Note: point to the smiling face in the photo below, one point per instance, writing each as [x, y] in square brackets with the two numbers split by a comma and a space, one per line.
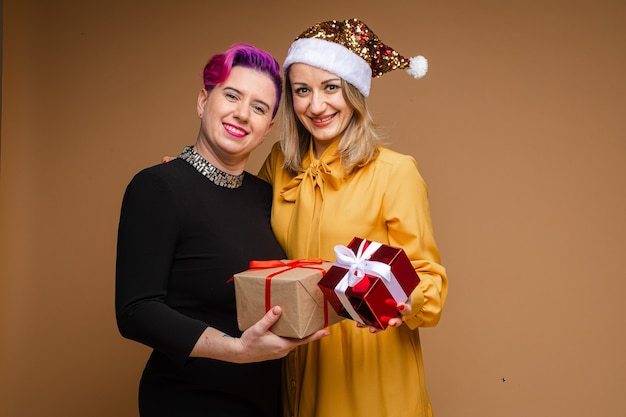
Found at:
[319, 104]
[236, 116]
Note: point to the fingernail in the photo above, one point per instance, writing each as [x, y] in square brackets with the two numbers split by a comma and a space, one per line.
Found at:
[385, 319]
[391, 302]
[401, 307]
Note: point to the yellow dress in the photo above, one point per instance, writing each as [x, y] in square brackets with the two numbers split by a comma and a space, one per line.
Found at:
[353, 373]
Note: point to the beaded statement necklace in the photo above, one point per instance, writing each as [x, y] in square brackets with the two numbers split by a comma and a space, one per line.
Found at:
[213, 173]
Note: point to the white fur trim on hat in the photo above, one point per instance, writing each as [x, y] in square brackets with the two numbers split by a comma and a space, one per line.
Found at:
[331, 57]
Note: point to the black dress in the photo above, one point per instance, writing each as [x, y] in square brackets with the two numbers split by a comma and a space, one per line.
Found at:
[181, 237]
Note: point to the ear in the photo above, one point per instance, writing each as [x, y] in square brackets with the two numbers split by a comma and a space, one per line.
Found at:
[269, 129]
[203, 96]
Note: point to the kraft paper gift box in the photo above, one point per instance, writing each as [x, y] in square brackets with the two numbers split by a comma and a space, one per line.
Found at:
[367, 281]
[291, 285]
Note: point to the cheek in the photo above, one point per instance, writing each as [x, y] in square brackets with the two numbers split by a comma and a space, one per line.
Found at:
[299, 106]
[264, 127]
[346, 110]
[339, 103]
[349, 114]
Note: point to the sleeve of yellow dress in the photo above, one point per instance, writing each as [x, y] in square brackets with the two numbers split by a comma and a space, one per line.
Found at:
[407, 213]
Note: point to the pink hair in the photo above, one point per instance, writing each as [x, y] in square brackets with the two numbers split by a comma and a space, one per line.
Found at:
[242, 54]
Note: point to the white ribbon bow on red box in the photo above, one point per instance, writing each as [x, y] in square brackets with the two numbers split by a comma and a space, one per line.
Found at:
[358, 265]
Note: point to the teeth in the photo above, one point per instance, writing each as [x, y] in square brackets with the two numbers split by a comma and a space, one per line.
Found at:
[323, 120]
[234, 130]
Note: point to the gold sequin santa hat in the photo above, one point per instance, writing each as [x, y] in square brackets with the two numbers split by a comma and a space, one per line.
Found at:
[352, 51]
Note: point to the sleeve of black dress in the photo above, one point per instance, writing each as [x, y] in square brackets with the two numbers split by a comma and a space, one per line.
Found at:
[147, 236]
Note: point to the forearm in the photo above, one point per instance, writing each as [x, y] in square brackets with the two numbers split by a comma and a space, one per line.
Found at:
[256, 344]
[428, 300]
[218, 345]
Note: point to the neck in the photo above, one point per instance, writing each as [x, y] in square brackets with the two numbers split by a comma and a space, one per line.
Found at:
[319, 146]
[210, 171]
[234, 167]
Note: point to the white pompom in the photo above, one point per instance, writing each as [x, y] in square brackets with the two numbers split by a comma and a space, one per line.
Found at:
[418, 66]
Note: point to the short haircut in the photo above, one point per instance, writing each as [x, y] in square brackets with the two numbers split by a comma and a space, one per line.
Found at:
[219, 66]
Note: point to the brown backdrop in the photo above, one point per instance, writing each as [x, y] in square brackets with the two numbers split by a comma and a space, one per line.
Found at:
[518, 129]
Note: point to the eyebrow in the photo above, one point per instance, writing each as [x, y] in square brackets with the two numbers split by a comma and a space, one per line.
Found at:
[323, 82]
[240, 93]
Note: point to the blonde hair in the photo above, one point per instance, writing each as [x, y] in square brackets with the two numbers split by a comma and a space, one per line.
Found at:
[359, 142]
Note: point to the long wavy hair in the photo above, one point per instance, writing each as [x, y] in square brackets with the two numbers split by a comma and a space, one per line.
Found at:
[242, 54]
[359, 142]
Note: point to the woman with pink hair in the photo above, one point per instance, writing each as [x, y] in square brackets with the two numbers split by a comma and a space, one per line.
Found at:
[185, 228]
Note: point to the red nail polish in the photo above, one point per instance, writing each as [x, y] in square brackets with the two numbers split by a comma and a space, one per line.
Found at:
[390, 302]
[385, 319]
[400, 307]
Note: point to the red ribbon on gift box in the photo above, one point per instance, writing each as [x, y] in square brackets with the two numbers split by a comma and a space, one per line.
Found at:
[289, 265]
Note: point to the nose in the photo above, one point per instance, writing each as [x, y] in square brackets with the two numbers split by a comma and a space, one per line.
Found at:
[318, 103]
[242, 111]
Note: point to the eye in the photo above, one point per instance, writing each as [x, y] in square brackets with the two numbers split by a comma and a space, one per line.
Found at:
[259, 109]
[230, 96]
[332, 87]
[301, 91]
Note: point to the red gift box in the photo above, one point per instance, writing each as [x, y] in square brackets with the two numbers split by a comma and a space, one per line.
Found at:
[365, 276]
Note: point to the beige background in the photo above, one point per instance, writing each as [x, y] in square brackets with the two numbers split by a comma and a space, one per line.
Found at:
[518, 130]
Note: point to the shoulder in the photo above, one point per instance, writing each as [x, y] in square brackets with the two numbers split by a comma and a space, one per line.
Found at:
[164, 175]
[172, 169]
[276, 154]
[395, 161]
[257, 183]
[276, 148]
[391, 166]
[273, 163]
[390, 156]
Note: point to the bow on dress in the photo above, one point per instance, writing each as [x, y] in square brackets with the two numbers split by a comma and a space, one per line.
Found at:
[307, 191]
[316, 175]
